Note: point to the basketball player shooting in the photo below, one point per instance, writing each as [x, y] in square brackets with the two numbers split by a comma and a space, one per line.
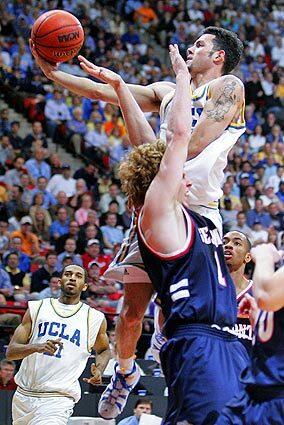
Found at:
[55, 340]
[217, 105]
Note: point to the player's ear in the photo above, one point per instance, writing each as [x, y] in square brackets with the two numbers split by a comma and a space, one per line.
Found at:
[85, 287]
[219, 57]
[248, 257]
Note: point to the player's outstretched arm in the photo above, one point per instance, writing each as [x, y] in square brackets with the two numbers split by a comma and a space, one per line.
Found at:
[225, 103]
[138, 128]
[102, 356]
[164, 189]
[268, 287]
[19, 346]
[148, 97]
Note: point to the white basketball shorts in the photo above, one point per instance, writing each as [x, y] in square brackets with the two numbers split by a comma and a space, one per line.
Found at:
[27, 410]
[128, 267]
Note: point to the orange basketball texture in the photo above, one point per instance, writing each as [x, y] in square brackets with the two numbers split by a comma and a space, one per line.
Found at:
[57, 35]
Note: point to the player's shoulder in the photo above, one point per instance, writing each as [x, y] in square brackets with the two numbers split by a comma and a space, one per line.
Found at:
[227, 80]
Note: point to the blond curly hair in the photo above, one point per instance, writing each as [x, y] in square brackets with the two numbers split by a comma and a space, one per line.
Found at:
[138, 170]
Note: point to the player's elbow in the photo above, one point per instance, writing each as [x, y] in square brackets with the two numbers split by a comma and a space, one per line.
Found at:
[267, 301]
[9, 354]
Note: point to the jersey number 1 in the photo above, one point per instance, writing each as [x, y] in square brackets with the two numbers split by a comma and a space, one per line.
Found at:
[221, 279]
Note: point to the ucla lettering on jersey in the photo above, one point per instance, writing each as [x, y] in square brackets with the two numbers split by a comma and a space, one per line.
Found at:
[193, 284]
[56, 375]
[206, 169]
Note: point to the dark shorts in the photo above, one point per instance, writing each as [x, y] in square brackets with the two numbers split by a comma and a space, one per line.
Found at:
[202, 367]
[254, 408]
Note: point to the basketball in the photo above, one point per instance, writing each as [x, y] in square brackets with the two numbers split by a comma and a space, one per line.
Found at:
[57, 35]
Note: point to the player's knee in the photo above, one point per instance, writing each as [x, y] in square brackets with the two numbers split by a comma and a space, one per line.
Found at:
[131, 316]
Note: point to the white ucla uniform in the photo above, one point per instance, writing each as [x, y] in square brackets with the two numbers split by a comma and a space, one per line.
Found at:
[205, 171]
[48, 386]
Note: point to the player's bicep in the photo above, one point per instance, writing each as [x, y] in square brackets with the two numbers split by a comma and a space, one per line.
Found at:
[23, 331]
[102, 341]
[149, 97]
[220, 110]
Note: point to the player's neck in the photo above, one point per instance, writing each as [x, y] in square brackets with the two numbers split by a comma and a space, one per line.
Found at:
[204, 78]
[239, 280]
[64, 299]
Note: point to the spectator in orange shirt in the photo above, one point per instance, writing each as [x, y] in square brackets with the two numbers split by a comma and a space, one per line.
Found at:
[115, 123]
[30, 243]
[145, 14]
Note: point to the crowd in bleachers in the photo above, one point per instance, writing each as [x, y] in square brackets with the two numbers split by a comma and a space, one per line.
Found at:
[50, 215]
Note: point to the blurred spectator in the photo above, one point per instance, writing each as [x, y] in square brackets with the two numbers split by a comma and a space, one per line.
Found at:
[81, 189]
[89, 175]
[248, 200]
[62, 182]
[77, 129]
[69, 250]
[60, 226]
[13, 176]
[20, 280]
[113, 194]
[72, 234]
[7, 370]
[4, 236]
[5, 125]
[41, 225]
[42, 276]
[275, 180]
[30, 243]
[258, 215]
[48, 198]
[62, 202]
[81, 215]
[16, 245]
[16, 206]
[241, 225]
[6, 287]
[256, 140]
[16, 141]
[280, 192]
[37, 167]
[36, 134]
[143, 405]
[93, 254]
[56, 112]
[258, 233]
[235, 202]
[277, 217]
[268, 196]
[6, 149]
[53, 290]
[111, 233]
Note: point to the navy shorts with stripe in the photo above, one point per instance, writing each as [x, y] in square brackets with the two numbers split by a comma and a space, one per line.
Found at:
[202, 367]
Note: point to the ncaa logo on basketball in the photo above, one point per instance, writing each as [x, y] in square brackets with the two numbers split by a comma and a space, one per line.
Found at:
[60, 54]
[68, 37]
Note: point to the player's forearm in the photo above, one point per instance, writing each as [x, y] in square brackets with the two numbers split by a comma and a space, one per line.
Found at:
[263, 288]
[102, 359]
[180, 115]
[17, 351]
[138, 128]
[84, 87]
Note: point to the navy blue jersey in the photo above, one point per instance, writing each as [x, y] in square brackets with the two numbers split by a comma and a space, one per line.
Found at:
[243, 327]
[193, 284]
[268, 349]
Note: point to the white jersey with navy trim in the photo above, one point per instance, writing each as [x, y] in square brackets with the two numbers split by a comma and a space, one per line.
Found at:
[77, 325]
[205, 171]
